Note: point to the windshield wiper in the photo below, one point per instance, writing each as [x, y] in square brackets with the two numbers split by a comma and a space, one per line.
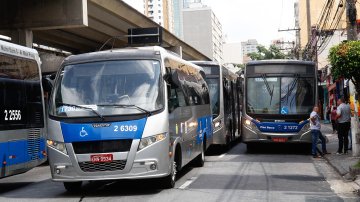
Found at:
[271, 92]
[120, 105]
[83, 108]
[293, 85]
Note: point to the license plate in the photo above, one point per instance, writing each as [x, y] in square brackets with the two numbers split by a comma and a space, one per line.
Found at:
[98, 158]
[279, 139]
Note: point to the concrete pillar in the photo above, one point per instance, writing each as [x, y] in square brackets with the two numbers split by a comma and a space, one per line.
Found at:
[50, 62]
[23, 37]
[175, 49]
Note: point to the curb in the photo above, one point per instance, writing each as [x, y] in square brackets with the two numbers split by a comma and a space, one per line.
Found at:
[341, 171]
[338, 168]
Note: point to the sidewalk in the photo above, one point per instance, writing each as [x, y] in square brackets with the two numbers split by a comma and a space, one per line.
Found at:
[340, 163]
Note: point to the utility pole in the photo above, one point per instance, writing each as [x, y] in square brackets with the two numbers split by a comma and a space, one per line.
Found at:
[309, 33]
[351, 20]
[352, 36]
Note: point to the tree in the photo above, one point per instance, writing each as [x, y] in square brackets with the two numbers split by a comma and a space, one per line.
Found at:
[345, 62]
[267, 54]
[241, 66]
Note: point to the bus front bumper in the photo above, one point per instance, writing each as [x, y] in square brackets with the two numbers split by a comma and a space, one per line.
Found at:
[250, 135]
[137, 164]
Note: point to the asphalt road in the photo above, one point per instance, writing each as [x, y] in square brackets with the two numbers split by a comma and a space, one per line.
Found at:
[273, 173]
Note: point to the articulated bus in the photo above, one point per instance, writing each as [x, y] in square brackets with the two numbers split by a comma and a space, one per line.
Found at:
[225, 97]
[129, 113]
[22, 126]
[279, 96]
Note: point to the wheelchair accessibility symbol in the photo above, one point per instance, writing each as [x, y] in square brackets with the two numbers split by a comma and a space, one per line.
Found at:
[83, 132]
[283, 110]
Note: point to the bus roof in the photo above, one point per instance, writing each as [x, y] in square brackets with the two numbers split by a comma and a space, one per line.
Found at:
[299, 62]
[18, 51]
[144, 53]
[205, 62]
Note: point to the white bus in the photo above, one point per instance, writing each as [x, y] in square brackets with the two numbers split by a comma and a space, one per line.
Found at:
[127, 114]
[22, 126]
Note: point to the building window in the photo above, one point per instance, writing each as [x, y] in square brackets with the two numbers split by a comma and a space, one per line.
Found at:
[252, 46]
[252, 49]
[159, 17]
[159, 11]
[159, 23]
[152, 18]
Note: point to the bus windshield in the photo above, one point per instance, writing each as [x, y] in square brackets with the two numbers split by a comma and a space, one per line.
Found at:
[108, 88]
[214, 95]
[280, 95]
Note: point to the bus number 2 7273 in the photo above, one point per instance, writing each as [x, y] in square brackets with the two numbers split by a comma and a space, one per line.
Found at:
[12, 115]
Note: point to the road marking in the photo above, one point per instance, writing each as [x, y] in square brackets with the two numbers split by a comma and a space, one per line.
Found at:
[187, 183]
[222, 155]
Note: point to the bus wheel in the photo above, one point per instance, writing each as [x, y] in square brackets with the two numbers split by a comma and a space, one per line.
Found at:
[200, 159]
[169, 181]
[73, 186]
[250, 146]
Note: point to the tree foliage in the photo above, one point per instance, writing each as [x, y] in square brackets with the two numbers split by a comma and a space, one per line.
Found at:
[240, 66]
[267, 54]
[345, 62]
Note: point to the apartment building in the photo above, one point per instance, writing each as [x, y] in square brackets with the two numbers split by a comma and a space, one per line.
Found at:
[161, 11]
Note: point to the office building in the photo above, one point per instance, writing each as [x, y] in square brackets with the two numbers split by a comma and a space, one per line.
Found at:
[203, 31]
[249, 46]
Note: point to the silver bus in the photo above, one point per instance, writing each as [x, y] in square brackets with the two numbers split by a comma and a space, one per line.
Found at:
[225, 99]
[129, 113]
[22, 126]
[279, 96]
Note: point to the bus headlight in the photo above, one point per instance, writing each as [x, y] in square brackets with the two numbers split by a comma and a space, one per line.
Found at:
[60, 146]
[217, 124]
[305, 128]
[251, 125]
[147, 141]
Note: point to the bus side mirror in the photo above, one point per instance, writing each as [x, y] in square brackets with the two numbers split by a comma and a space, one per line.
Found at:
[47, 85]
[172, 78]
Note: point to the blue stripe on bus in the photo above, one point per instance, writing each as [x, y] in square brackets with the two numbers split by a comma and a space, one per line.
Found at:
[22, 151]
[82, 132]
[279, 126]
[204, 126]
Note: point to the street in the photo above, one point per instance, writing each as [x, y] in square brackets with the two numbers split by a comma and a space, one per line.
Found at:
[273, 173]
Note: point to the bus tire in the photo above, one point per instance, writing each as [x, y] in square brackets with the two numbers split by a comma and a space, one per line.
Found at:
[200, 159]
[250, 146]
[73, 186]
[168, 182]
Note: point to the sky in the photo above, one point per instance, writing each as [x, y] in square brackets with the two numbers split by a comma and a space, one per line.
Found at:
[250, 19]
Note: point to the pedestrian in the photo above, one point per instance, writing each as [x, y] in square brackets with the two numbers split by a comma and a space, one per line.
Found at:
[315, 130]
[328, 112]
[333, 116]
[343, 120]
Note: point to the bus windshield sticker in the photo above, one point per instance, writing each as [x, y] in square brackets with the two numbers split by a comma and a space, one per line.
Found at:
[283, 110]
[267, 79]
[74, 108]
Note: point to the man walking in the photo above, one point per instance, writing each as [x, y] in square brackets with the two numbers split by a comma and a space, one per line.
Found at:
[315, 130]
[343, 119]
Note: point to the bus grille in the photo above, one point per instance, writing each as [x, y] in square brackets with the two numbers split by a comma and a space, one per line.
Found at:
[37, 118]
[104, 146]
[103, 166]
[34, 142]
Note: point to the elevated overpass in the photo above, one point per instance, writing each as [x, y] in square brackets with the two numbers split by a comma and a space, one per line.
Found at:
[79, 26]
